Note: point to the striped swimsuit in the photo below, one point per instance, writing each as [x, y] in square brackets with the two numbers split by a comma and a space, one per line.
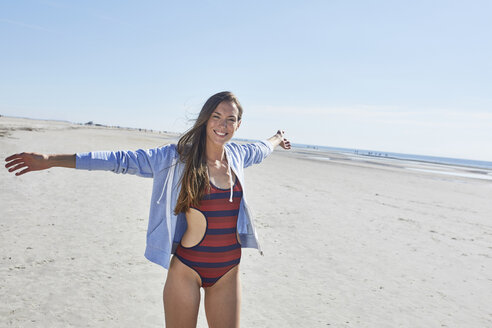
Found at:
[219, 250]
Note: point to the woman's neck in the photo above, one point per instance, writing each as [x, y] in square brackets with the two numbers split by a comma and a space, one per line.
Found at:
[215, 154]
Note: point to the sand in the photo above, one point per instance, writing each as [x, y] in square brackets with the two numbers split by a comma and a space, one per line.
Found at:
[349, 241]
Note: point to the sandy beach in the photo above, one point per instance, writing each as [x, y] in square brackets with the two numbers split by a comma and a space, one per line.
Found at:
[349, 241]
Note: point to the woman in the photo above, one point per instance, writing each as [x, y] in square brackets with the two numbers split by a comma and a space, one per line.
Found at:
[199, 211]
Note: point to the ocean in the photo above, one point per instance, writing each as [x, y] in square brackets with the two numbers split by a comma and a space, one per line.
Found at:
[409, 157]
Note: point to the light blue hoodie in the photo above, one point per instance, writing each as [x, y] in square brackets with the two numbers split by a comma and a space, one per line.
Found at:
[166, 229]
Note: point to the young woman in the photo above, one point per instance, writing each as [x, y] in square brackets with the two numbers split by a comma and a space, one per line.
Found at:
[199, 210]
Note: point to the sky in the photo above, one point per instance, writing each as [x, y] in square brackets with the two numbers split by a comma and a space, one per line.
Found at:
[398, 76]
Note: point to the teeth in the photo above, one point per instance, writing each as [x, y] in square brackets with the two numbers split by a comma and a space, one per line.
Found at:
[220, 134]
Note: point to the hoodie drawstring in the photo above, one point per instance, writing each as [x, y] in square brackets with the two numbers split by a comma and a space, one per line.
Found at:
[230, 180]
[230, 176]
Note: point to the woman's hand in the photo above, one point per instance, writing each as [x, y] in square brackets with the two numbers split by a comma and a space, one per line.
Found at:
[35, 162]
[279, 140]
[284, 142]
[27, 162]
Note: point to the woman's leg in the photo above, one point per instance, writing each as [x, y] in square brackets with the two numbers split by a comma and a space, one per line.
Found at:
[181, 296]
[223, 301]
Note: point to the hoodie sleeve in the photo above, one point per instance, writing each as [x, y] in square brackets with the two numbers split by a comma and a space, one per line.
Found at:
[142, 162]
[254, 153]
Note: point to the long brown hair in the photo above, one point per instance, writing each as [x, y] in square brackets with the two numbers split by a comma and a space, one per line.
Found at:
[191, 150]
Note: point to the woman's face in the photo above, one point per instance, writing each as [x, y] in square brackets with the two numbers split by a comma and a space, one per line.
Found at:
[223, 122]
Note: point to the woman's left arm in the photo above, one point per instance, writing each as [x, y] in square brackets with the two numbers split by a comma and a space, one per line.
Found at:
[279, 140]
[254, 153]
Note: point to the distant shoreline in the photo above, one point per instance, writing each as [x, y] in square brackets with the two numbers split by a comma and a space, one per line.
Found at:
[467, 163]
[93, 124]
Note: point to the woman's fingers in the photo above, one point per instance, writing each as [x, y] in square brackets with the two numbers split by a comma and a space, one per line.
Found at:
[17, 167]
[14, 162]
[15, 156]
[286, 143]
[18, 163]
[11, 157]
[30, 161]
[22, 172]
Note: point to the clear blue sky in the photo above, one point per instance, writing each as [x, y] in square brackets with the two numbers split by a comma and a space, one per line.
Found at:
[402, 76]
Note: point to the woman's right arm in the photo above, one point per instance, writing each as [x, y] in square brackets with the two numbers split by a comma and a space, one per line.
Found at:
[28, 162]
[142, 162]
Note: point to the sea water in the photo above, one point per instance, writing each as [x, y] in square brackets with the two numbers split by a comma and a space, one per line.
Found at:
[410, 157]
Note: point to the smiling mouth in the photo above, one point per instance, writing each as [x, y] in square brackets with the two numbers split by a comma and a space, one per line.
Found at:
[220, 134]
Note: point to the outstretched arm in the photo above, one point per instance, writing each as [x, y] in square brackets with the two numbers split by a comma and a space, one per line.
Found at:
[279, 140]
[255, 152]
[142, 162]
[28, 162]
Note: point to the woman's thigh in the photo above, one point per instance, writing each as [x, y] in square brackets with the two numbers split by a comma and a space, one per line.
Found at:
[181, 296]
[223, 301]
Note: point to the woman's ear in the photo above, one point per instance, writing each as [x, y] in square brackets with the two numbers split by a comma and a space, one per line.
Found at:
[238, 124]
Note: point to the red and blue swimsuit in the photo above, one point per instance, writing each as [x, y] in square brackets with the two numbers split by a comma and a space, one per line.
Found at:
[219, 250]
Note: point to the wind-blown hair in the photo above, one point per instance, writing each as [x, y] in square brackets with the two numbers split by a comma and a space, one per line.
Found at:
[191, 150]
